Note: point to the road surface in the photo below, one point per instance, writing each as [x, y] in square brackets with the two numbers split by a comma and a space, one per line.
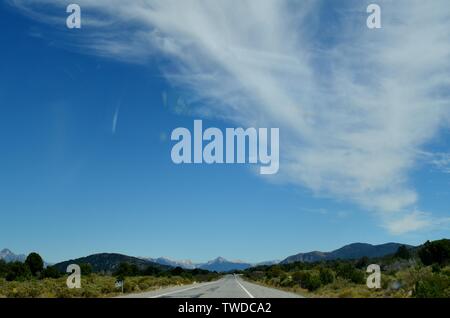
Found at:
[230, 286]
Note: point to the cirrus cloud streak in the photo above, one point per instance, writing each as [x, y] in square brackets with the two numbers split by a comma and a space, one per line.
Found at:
[355, 106]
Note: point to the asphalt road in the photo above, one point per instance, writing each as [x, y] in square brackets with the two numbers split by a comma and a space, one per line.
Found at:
[230, 286]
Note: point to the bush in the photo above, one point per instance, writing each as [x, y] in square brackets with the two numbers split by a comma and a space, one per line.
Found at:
[18, 271]
[287, 282]
[297, 277]
[433, 286]
[306, 279]
[256, 275]
[274, 271]
[311, 281]
[50, 272]
[446, 271]
[327, 276]
[92, 286]
[347, 271]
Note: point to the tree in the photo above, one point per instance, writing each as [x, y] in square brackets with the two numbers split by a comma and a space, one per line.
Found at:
[18, 271]
[435, 252]
[3, 268]
[126, 269]
[177, 271]
[86, 268]
[363, 262]
[403, 252]
[151, 271]
[35, 263]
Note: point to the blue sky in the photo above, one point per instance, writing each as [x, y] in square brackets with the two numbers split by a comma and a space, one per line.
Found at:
[71, 185]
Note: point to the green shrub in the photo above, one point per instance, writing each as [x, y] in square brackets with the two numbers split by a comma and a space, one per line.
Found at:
[18, 271]
[274, 271]
[298, 276]
[311, 281]
[433, 286]
[287, 282]
[446, 271]
[50, 272]
[347, 271]
[327, 276]
[307, 279]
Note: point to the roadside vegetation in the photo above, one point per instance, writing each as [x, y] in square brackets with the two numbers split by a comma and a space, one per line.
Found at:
[422, 272]
[31, 279]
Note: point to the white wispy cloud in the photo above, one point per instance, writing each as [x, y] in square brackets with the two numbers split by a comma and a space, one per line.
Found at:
[414, 221]
[115, 119]
[439, 160]
[354, 111]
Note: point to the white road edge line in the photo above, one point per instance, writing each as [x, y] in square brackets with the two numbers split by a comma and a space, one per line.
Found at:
[245, 289]
[182, 290]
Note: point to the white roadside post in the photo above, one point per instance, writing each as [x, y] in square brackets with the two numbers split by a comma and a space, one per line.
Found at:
[119, 284]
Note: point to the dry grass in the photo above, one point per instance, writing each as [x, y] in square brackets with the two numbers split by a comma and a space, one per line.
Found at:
[92, 286]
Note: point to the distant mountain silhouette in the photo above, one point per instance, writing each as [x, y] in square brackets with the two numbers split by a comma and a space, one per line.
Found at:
[267, 263]
[351, 251]
[9, 256]
[109, 262]
[220, 264]
[186, 264]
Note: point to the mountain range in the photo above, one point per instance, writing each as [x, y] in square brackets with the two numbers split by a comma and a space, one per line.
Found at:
[351, 251]
[8, 256]
[108, 262]
[218, 264]
[186, 264]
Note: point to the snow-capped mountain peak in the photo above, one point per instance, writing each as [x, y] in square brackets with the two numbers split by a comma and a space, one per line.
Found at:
[8, 256]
